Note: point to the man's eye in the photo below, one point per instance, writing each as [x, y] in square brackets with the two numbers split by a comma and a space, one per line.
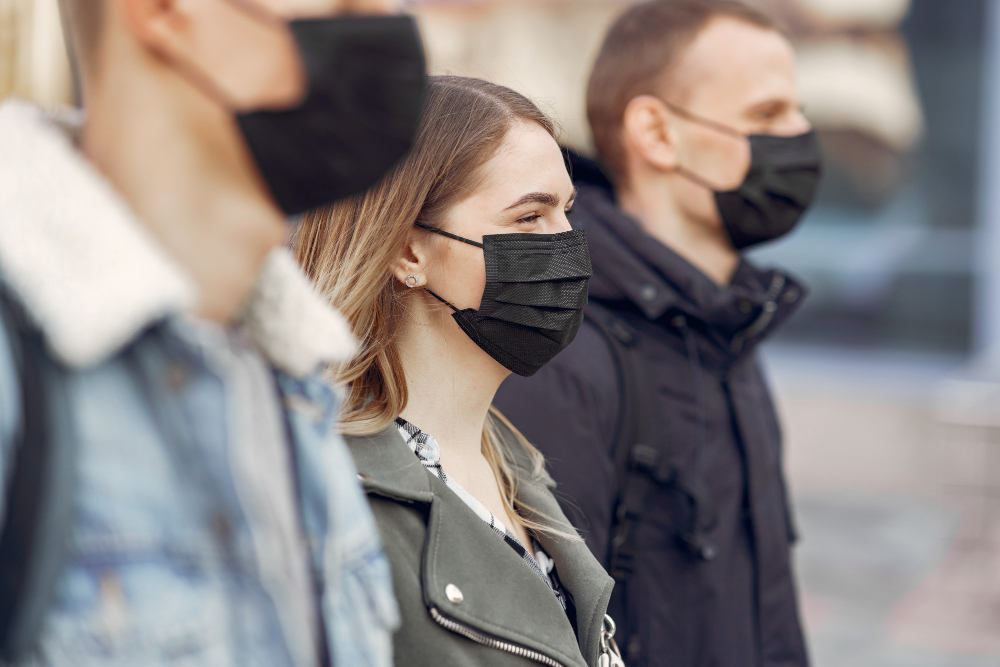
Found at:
[529, 218]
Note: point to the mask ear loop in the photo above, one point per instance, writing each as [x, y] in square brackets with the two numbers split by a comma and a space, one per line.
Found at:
[701, 120]
[696, 179]
[704, 122]
[201, 80]
[447, 303]
[451, 236]
[448, 234]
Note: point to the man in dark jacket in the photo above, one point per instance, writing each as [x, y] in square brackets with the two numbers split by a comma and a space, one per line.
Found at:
[697, 122]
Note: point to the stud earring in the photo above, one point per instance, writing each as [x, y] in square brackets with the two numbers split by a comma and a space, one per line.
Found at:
[411, 281]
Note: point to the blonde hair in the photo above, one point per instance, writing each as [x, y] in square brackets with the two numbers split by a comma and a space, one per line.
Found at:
[350, 247]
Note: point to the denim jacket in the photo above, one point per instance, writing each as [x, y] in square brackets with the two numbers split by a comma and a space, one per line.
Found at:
[160, 569]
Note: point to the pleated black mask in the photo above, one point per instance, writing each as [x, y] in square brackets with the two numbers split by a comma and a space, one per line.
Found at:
[784, 173]
[536, 290]
[366, 88]
[778, 188]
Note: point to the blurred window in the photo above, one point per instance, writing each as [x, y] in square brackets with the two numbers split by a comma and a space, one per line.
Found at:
[888, 249]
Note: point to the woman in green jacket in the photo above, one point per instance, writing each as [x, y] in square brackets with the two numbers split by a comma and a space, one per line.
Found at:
[457, 269]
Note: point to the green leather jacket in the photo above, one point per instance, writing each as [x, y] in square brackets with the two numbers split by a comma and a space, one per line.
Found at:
[465, 597]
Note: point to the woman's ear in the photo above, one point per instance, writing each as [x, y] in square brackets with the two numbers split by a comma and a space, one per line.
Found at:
[412, 262]
[648, 133]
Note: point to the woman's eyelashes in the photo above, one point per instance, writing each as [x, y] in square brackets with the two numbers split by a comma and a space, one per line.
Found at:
[528, 219]
[571, 204]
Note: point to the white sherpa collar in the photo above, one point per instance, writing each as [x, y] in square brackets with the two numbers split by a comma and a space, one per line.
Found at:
[92, 278]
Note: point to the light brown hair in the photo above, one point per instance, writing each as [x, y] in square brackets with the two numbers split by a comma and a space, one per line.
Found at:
[637, 57]
[350, 248]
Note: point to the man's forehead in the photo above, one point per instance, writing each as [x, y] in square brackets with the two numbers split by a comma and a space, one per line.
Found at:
[733, 58]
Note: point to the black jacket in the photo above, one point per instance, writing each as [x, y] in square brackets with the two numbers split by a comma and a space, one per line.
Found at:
[718, 424]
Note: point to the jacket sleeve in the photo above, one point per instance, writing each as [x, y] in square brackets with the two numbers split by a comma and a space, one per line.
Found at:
[359, 608]
[569, 410]
[10, 414]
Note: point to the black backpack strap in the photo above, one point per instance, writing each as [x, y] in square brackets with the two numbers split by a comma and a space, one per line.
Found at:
[38, 507]
[641, 463]
[637, 425]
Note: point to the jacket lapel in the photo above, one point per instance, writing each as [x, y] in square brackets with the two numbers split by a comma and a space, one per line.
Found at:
[501, 596]
[387, 467]
[580, 573]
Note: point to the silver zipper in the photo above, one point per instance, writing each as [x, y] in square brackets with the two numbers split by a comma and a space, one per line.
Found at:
[491, 641]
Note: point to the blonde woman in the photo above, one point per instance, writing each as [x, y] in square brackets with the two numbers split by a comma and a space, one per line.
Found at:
[458, 269]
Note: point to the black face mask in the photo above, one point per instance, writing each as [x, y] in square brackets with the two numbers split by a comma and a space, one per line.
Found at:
[781, 183]
[366, 87]
[777, 190]
[536, 290]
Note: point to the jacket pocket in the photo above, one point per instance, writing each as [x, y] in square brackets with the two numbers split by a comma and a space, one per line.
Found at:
[138, 609]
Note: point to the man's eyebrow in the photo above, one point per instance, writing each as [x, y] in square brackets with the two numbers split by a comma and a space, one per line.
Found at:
[543, 198]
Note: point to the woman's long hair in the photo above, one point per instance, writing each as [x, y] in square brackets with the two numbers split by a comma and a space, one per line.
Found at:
[349, 249]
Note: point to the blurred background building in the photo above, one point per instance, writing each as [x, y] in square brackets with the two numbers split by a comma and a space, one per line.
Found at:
[888, 381]
[33, 61]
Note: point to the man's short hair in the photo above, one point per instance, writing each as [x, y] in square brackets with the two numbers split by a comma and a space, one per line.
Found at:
[637, 55]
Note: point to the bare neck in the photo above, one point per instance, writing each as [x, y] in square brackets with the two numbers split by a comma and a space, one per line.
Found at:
[451, 380]
[178, 161]
[451, 383]
[708, 249]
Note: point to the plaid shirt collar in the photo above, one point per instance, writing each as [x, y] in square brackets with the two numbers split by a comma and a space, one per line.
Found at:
[429, 454]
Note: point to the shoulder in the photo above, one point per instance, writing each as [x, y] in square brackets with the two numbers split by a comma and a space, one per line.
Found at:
[574, 396]
[588, 358]
[370, 447]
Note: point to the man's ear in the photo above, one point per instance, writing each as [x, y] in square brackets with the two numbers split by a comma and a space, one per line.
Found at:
[155, 24]
[648, 132]
[240, 57]
[412, 261]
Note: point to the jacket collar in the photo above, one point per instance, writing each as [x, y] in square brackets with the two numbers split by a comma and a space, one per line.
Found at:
[388, 468]
[92, 278]
[631, 267]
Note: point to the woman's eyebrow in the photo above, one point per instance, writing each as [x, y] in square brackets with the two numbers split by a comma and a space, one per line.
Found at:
[543, 198]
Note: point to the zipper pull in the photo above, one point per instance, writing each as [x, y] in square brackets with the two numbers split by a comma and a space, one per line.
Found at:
[610, 655]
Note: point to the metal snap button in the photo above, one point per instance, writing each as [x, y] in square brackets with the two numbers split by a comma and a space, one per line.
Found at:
[453, 594]
[647, 293]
